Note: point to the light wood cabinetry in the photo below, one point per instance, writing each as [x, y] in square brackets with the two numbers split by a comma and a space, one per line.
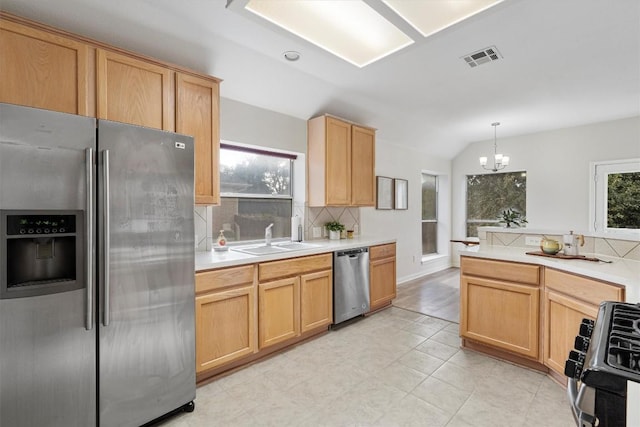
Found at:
[226, 321]
[43, 70]
[568, 299]
[340, 163]
[198, 115]
[47, 68]
[134, 91]
[295, 296]
[382, 275]
[499, 305]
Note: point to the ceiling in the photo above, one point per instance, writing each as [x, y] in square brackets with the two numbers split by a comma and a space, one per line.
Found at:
[565, 63]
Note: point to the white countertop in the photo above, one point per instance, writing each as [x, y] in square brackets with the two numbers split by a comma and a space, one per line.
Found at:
[621, 271]
[212, 259]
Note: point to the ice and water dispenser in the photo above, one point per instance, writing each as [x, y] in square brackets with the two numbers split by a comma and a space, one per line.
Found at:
[41, 252]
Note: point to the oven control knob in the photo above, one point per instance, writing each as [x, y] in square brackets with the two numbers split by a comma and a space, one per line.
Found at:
[586, 327]
[581, 343]
[573, 366]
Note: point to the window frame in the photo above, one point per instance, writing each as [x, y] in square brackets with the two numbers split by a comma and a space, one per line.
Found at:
[431, 221]
[598, 186]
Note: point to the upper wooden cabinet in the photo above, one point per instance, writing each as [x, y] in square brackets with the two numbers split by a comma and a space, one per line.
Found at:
[198, 115]
[340, 163]
[47, 68]
[134, 91]
[43, 70]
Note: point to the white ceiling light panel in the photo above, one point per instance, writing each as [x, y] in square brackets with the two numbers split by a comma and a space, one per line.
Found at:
[350, 30]
[431, 16]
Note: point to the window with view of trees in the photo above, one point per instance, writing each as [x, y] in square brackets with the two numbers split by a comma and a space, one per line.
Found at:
[617, 186]
[255, 190]
[429, 214]
[489, 195]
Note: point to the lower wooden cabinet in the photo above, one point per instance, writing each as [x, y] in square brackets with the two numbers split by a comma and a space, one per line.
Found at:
[382, 275]
[501, 314]
[295, 297]
[568, 299]
[316, 300]
[279, 311]
[226, 321]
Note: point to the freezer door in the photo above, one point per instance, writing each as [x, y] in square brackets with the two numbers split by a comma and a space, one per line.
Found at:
[146, 321]
[47, 342]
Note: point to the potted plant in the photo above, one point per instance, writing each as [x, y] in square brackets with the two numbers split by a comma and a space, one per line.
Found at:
[334, 228]
[511, 216]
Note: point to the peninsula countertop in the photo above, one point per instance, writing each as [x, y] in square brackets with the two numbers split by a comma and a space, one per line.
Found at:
[208, 260]
[620, 271]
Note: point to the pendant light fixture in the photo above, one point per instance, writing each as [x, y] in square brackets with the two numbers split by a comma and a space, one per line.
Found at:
[499, 161]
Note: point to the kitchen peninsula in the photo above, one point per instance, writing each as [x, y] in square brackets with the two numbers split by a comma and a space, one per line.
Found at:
[527, 309]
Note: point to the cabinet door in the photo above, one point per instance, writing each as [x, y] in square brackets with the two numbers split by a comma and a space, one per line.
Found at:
[43, 70]
[316, 295]
[382, 277]
[279, 311]
[198, 115]
[225, 327]
[500, 314]
[562, 317]
[338, 166]
[363, 146]
[134, 91]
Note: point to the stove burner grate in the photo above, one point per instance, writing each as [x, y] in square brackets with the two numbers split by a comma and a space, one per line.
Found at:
[623, 350]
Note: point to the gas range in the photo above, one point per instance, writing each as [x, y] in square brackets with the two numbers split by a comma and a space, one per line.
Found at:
[604, 368]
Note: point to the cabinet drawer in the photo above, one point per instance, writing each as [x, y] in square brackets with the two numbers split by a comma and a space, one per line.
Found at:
[382, 251]
[294, 266]
[501, 270]
[588, 290]
[224, 278]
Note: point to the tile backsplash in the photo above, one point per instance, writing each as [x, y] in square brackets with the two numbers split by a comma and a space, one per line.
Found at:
[627, 249]
[319, 216]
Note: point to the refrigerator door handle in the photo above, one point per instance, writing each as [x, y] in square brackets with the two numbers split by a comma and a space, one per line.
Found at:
[89, 239]
[106, 237]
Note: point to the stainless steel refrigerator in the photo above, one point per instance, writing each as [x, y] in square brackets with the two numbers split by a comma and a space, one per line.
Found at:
[96, 271]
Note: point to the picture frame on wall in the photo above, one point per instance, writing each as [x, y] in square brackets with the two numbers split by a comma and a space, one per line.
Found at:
[401, 191]
[384, 192]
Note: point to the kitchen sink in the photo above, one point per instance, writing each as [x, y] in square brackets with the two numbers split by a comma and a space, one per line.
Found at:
[274, 249]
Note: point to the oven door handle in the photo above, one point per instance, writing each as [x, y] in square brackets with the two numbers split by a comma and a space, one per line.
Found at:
[582, 418]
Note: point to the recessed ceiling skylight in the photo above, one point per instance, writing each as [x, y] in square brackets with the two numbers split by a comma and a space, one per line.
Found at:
[350, 30]
[429, 17]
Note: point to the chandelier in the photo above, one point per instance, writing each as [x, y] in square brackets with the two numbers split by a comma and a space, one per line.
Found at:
[499, 161]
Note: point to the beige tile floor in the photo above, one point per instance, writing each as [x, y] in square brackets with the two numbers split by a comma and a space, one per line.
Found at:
[394, 368]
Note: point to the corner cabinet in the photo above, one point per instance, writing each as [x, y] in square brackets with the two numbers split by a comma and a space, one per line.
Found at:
[226, 316]
[568, 299]
[500, 305]
[198, 115]
[382, 275]
[340, 163]
[44, 70]
[295, 297]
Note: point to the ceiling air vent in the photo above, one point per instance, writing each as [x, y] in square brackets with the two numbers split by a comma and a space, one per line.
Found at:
[482, 56]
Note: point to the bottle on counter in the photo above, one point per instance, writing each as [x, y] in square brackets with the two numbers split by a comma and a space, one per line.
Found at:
[222, 241]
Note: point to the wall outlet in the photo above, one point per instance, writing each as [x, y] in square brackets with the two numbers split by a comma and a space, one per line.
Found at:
[317, 232]
[532, 240]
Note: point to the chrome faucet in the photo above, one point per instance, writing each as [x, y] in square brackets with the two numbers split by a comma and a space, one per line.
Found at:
[267, 235]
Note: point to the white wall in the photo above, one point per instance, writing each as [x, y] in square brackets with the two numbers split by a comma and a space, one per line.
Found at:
[404, 225]
[557, 166]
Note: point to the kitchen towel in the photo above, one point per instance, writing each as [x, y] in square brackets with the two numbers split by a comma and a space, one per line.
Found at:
[296, 229]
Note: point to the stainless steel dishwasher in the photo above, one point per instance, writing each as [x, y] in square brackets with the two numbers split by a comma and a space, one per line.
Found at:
[350, 284]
